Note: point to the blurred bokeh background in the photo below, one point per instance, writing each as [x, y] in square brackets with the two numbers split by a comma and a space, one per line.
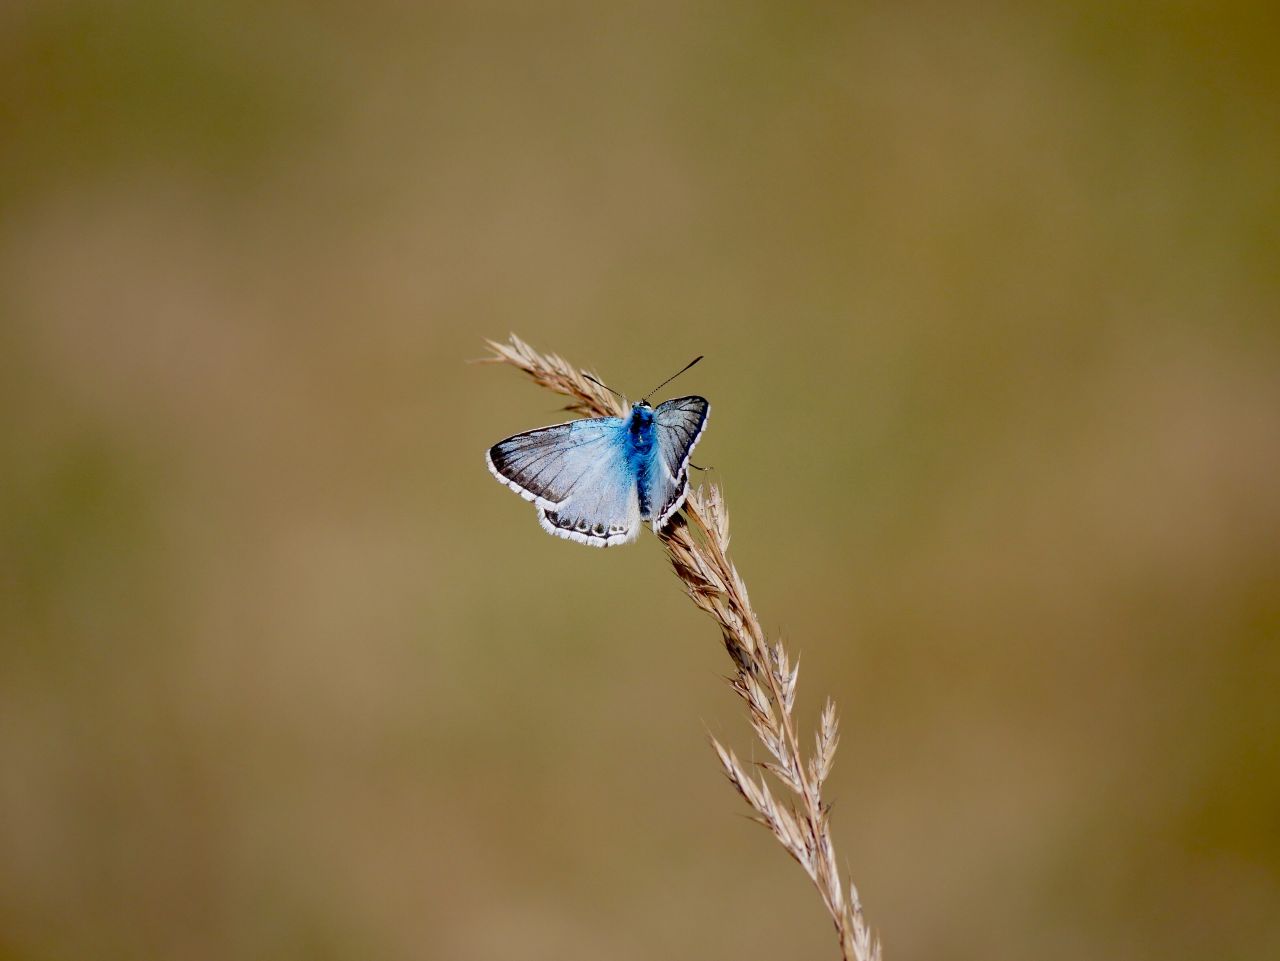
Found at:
[989, 295]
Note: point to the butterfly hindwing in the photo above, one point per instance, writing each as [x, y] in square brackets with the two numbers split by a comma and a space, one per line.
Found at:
[578, 475]
[678, 425]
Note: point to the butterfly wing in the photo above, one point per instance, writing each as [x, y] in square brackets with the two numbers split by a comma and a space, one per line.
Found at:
[679, 423]
[579, 477]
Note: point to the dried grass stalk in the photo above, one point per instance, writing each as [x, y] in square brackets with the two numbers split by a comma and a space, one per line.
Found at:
[697, 544]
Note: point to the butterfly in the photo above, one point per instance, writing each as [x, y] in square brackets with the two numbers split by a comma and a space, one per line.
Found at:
[594, 481]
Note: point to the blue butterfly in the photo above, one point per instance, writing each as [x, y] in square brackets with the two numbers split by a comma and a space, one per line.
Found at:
[593, 481]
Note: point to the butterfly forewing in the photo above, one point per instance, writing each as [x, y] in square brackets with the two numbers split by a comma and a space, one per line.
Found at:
[542, 465]
[679, 423]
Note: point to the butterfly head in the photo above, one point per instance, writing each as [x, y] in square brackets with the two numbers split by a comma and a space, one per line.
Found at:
[641, 414]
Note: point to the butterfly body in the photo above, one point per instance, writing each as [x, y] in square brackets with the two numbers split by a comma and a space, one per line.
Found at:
[640, 439]
[594, 481]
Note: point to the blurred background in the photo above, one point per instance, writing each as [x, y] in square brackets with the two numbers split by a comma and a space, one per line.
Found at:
[989, 298]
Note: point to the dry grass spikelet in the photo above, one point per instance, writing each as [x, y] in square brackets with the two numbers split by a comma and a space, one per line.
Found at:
[786, 793]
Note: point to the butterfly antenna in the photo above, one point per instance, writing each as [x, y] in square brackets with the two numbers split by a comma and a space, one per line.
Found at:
[673, 377]
[605, 386]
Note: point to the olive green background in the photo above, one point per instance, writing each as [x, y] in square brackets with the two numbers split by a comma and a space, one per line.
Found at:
[989, 298]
